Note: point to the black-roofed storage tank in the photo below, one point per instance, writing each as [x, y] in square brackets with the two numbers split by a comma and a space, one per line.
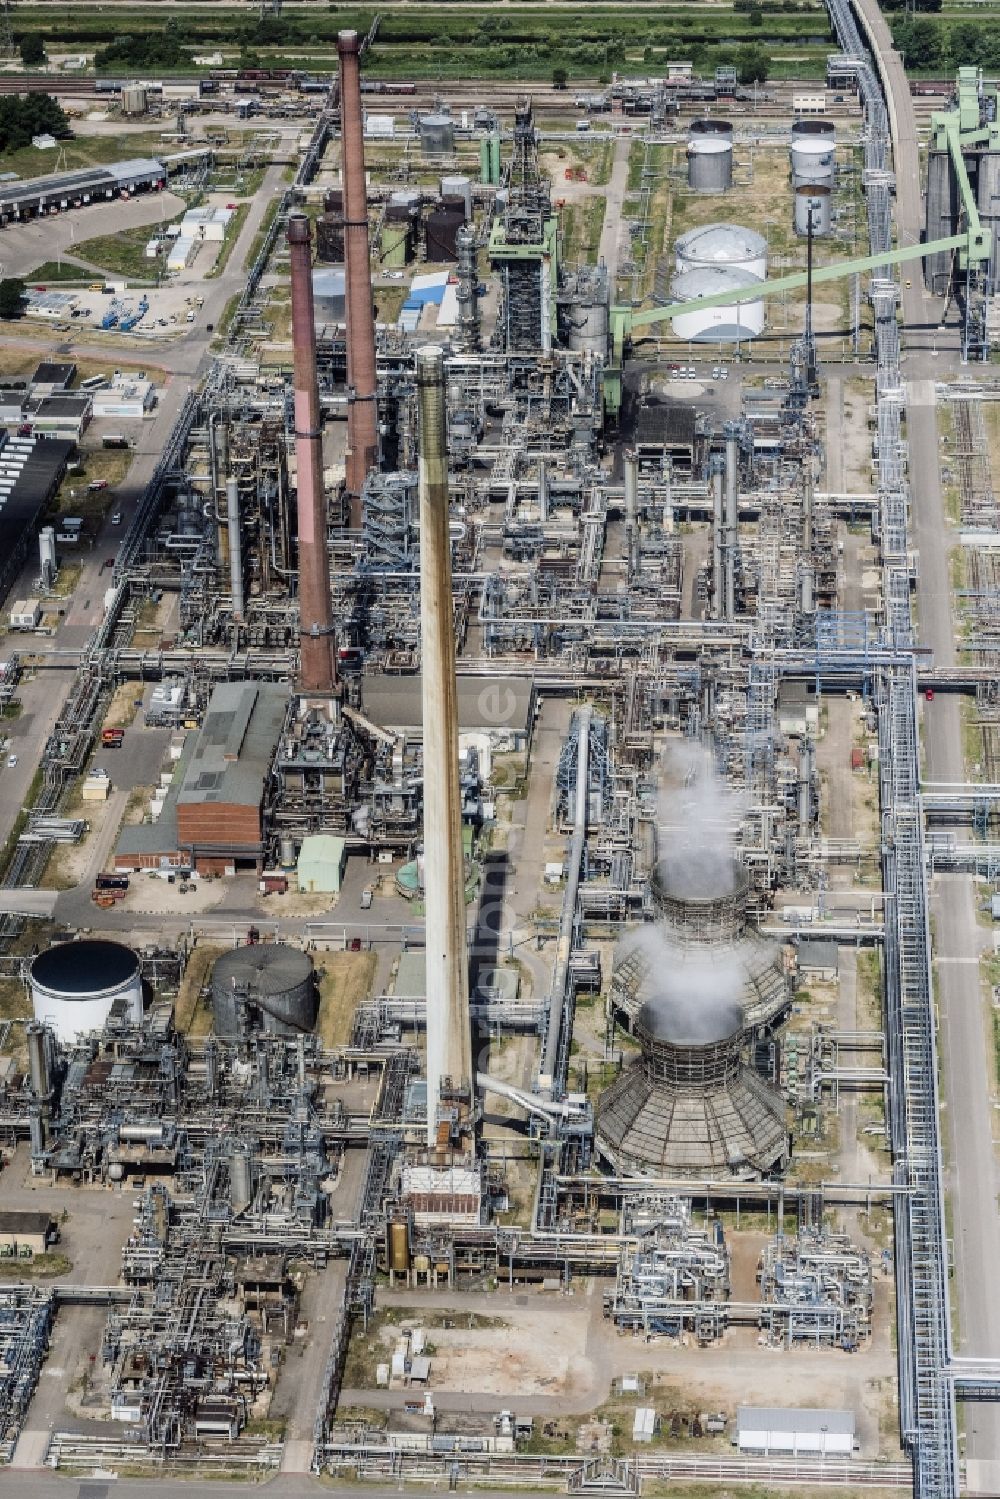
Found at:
[75, 984]
[266, 985]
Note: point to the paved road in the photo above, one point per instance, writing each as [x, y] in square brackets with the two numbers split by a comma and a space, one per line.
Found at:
[24, 247]
[971, 1176]
[187, 358]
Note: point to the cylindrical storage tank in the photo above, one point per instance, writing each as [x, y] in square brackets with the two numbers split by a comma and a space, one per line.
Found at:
[399, 1246]
[583, 311]
[728, 322]
[813, 127]
[134, 99]
[287, 851]
[587, 329]
[812, 159]
[394, 243]
[74, 985]
[442, 235]
[710, 163]
[437, 135]
[458, 187]
[272, 982]
[406, 197]
[330, 238]
[722, 245]
[814, 198]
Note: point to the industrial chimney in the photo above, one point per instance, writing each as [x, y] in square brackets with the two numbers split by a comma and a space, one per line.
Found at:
[449, 1035]
[362, 412]
[317, 656]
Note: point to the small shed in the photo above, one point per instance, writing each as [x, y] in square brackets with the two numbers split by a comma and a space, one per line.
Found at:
[798, 708]
[26, 1233]
[995, 907]
[320, 868]
[795, 1430]
[644, 1425]
[819, 960]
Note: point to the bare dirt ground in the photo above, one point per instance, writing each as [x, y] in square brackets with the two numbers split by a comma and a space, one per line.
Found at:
[556, 1354]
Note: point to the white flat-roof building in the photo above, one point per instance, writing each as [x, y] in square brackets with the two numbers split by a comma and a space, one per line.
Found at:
[795, 1430]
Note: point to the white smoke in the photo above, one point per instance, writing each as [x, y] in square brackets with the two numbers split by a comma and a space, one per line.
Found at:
[694, 994]
[699, 816]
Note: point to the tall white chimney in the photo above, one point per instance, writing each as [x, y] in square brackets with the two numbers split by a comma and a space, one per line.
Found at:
[449, 1034]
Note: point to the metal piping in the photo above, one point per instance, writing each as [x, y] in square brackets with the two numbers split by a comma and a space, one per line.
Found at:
[317, 656]
[718, 590]
[567, 920]
[235, 546]
[362, 407]
[530, 1102]
[449, 1032]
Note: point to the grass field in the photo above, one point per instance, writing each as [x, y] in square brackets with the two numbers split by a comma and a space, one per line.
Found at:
[122, 254]
[85, 151]
[466, 41]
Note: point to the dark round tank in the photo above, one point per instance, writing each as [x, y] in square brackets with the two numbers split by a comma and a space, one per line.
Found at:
[84, 968]
[813, 127]
[711, 127]
[268, 984]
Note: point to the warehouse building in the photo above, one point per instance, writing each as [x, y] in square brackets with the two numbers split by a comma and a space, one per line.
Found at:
[221, 799]
[794, 1430]
[58, 190]
[212, 817]
[30, 473]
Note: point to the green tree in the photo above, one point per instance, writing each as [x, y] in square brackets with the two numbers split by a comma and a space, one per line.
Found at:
[32, 50]
[919, 41]
[11, 297]
[752, 64]
[560, 77]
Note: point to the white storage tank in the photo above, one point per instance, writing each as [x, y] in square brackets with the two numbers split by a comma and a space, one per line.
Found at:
[730, 322]
[722, 245]
[813, 198]
[458, 187]
[812, 159]
[74, 985]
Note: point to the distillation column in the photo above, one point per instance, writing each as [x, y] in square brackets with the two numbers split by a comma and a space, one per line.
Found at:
[449, 1033]
[235, 546]
[317, 656]
[731, 431]
[362, 403]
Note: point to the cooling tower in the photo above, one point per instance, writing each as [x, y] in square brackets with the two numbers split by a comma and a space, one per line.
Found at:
[701, 942]
[690, 1105]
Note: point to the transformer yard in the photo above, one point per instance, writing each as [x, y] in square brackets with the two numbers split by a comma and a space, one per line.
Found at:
[499, 781]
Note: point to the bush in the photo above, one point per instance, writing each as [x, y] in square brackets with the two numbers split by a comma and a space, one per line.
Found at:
[11, 297]
[32, 50]
[151, 49]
